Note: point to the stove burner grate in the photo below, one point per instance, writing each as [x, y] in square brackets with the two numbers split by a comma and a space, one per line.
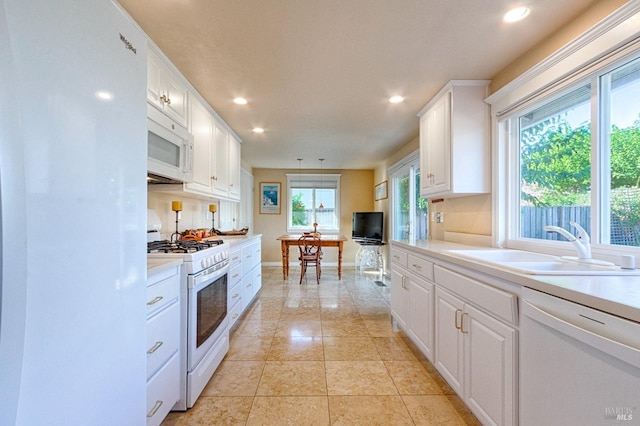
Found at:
[188, 246]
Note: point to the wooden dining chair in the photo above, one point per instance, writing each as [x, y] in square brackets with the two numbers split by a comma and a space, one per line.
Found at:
[310, 254]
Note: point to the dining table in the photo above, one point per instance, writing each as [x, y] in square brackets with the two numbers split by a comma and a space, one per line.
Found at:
[288, 240]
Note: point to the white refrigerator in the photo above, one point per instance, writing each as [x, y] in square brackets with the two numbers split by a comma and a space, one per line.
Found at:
[73, 209]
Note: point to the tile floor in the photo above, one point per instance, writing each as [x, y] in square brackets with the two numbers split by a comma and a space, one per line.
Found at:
[325, 354]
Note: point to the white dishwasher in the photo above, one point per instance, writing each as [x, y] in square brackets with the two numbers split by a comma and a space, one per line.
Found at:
[578, 366]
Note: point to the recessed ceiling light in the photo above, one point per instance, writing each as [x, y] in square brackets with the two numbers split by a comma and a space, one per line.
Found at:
[516, 14]
[396, 99]
[258, 130]
[104, 95]
[240, 101]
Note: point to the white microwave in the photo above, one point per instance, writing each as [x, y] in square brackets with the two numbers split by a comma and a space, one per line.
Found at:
[169, 147]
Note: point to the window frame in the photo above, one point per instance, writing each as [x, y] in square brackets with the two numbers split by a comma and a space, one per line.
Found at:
[315, 181]
[408, 165]
[507, 160]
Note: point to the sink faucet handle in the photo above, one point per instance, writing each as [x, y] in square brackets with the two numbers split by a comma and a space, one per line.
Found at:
[583, 236]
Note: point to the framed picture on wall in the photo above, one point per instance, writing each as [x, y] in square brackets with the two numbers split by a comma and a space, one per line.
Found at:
[381, 191]
[270, 197]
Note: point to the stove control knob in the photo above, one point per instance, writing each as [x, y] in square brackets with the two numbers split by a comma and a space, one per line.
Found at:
[210, 261]
[203, 263]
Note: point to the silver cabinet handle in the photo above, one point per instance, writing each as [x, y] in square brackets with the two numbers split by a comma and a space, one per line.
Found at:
[458, 311]
[462, 323]
[418, 267]
[235, 316]
[154, 348]
[155, 300]
[234, 296]
[155, 408]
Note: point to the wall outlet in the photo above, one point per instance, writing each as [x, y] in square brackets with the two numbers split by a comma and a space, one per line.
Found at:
[439, 217]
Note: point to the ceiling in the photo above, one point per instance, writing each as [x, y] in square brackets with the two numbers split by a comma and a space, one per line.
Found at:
[318, 74]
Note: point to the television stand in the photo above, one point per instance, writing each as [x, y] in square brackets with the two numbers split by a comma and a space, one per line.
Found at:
[369, 257]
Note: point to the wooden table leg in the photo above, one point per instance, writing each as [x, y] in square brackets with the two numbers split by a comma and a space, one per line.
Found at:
[340, 260]
[284, 246]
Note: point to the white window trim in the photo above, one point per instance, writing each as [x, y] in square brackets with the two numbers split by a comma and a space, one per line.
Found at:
[613, 38]
[393, 171]
[329, 180]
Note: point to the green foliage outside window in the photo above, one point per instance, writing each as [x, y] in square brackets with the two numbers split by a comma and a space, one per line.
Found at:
[298, 211]
[556, 167]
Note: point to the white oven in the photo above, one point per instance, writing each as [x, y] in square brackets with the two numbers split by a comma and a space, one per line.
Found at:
[169, 147]
[207, 323]
[203, 305]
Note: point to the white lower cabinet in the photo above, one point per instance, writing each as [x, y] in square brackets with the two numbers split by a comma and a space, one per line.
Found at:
[412, 299]
[474, 351]
[163, 343]
[245, 276]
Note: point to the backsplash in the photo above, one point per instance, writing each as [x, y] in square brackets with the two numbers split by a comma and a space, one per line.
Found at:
[195, 213]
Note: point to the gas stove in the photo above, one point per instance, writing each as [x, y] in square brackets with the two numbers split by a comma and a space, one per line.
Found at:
[197, 255]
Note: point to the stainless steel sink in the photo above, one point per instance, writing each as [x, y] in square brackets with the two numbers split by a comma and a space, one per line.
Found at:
[525, 262]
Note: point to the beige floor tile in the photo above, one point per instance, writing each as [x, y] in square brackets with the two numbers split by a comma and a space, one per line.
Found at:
[299, 328]
[292, 313]
[350, 349]
[252, 327]
[368, 410]
[289, 410]
[393, 349]
[373, 310]
[249, 348]
[346, 327]
[292, 378]
[359, 378]
[298, 348]
[213, 411]
[339, 312]
[235, 378]
[432, 410]
[411, 378]
[380, 327]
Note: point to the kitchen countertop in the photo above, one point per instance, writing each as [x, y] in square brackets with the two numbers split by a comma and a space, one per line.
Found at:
[157, 265]
[238, 239]
[618, 295]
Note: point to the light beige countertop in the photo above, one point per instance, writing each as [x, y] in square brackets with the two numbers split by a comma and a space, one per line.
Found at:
[238, 239]
[618, 295]
[157, 265]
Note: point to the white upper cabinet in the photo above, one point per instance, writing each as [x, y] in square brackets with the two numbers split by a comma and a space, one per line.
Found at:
[235, 181]
[455, 141]
[216, 156]
[201, 127]
[165, 90]
[217, 161]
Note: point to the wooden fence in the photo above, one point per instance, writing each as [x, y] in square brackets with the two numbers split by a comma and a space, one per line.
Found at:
[534, 219]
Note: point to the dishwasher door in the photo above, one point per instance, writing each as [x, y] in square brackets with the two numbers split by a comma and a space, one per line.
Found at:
[578, 366]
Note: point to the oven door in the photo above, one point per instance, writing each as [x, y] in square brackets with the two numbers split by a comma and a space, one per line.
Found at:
[207, 311]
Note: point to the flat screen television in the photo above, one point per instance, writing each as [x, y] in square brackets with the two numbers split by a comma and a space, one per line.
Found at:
[367, 226]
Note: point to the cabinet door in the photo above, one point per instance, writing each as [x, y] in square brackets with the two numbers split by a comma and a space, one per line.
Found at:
[398, 298]
[420, 321]
[201, 127]
[177, 94]
[490, 367]
[437, 146]
[154, 78]
[449, 339]
[256, 282]
[221, 161]
[234, 168]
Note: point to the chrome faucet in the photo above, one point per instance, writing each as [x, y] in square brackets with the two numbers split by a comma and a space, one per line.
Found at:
[582, 243]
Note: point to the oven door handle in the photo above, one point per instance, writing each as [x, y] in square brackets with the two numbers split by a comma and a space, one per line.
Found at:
[206, 276]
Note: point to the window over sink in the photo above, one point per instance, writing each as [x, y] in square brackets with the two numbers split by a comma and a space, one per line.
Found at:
[566, 144]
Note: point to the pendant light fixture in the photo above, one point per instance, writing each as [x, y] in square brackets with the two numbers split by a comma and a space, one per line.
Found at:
[321, 186]
[299, 206]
